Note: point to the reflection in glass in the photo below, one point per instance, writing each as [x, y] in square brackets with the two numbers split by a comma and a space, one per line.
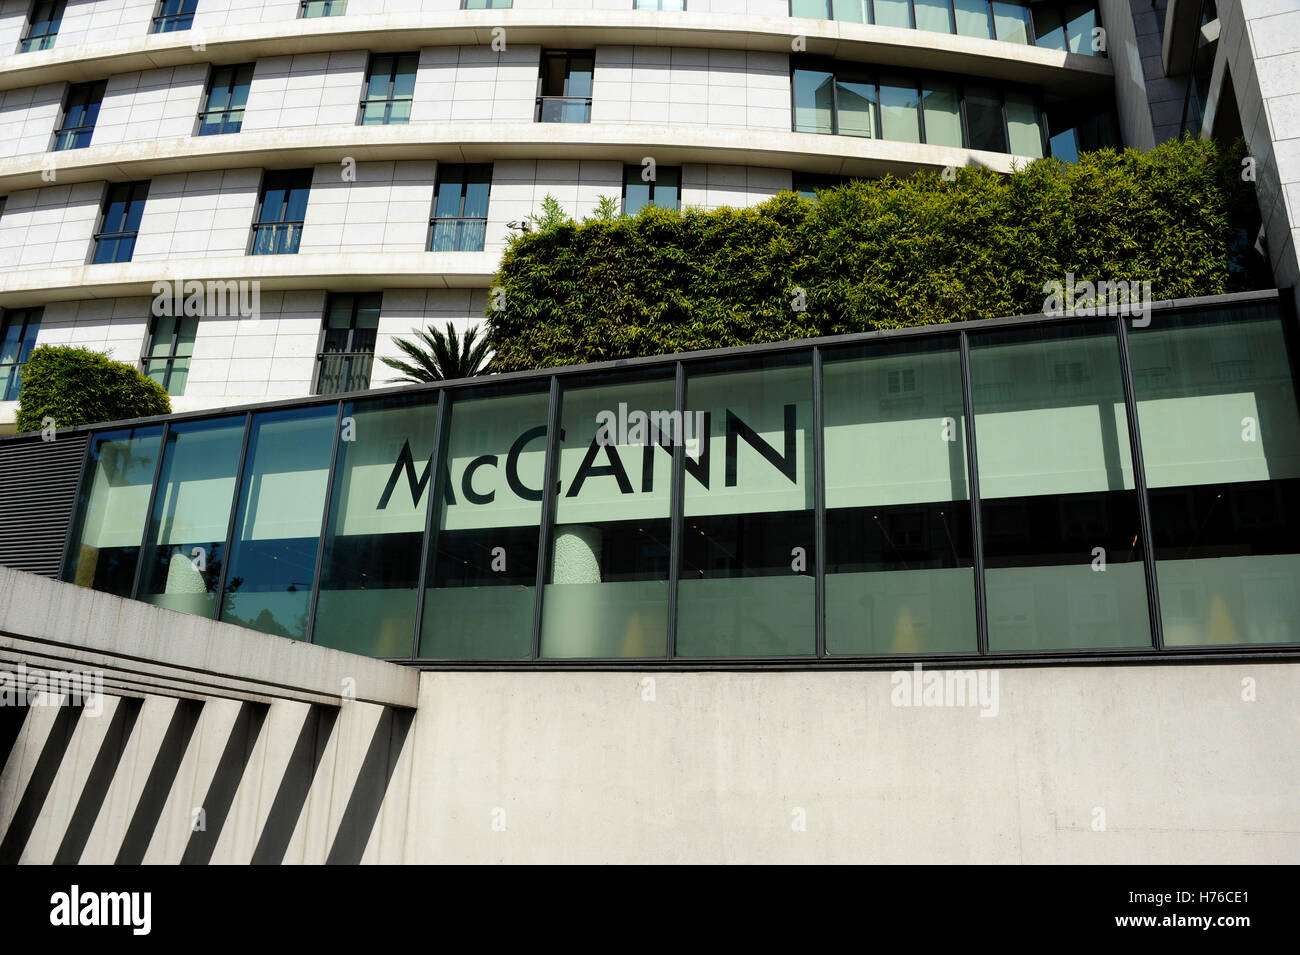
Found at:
[984, 119]
[607, 579]
[186, 540]
[942, 114]
[1058, 510]
[479, 601]
[855, 102]
[1011, 21]
[371, 564]
[277, 531]
[1022, 124]
[111, 509]
[893, 13]
[899, 567]
[747, 556]
[932, 15]
[1221, 447]
[899, 110]
[814, 101]
[972, 18]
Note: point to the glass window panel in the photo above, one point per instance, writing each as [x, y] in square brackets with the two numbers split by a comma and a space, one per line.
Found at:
[1011, 21]
[942, 114]
[747, 555]
[578, 82]
[1080, 18]
[371, 565]
[933, 15]
[972, 17]
[479, 603]
[1022, 124]
[813, 9]
[899, 110]
[893, 13]
[851, 11]
[1049, 28]
[111, 509]
[814, 100]
[1058, 510]
[899, 570]
[1216, 405]
[191, 515]
[857, 115]
[984, 119]
[606, 590]
[277, 531]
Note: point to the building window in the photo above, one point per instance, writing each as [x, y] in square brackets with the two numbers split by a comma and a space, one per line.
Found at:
[1052, 24]
[848, 100]
[485, 4]
[390, 88]
[174, 15]
[347, 343]
[18, 331]
[322, 8]
[80, 111]
[564, 86]
[120, 223]
[281, 209]
[663, 191]
[42, 26]
[807, 184]
[460, 206]
[659, 4]
[223, 111]
[168, 350]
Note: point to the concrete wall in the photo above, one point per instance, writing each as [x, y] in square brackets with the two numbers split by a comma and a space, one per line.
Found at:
[475, 84]
[157, 104]
[28, 118]
[49, 227]
[313, 89]
[198, 214]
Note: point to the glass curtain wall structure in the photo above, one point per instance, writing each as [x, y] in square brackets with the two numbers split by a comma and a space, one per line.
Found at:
[1015, 488]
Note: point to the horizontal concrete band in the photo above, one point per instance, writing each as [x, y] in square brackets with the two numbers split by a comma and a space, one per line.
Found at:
[348, 271]
[60, 626]
[485, 142]
[1054, 70]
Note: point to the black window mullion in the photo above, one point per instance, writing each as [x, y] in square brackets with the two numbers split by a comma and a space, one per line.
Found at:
[973, 484]
[675, 512]
[952, 17]
[148, 518]
[819, 503]
[232, 524]
[920, 107]
[330, 482]
[1140, 486]
[428, 556]
[549, 473]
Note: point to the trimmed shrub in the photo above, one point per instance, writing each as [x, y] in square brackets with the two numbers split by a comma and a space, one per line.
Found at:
[873, 254]
[79, 386]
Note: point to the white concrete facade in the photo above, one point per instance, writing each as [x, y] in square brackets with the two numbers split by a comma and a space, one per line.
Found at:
[707, 90]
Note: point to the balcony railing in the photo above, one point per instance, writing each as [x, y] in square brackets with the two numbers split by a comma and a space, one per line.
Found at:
[564, 109]
[73, 137]
[214, 122]
[386, 112]
[447, 234]
[172, 22]
[276, 238]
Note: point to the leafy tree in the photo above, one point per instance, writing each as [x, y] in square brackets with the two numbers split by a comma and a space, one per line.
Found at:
[80, 386]
[440, 356]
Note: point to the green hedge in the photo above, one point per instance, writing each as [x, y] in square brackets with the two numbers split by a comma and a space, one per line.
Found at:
[873, 254]
[79, 386]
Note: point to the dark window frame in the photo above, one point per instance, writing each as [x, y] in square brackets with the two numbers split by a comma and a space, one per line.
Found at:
[168, 360]
[235, 70]
[58, 7]
[350, 353]
[542, 96]
[390, 99]
[93, 95]
[120, 234]
[278, 179]
[164, 22]
[11, 371]
[466, 169]
[628, 167]
[329, 5]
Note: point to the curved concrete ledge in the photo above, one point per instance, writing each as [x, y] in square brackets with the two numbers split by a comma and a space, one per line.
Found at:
[354, 271]
[1053, 70]
[485, 142]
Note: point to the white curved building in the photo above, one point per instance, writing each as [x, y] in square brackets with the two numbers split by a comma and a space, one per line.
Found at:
[357, 163]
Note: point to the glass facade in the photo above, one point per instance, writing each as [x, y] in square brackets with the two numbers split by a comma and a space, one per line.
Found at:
[940, 109]
[1051, 24]
[1017, 487]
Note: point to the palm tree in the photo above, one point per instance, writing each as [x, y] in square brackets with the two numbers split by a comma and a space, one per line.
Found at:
[440, 356]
